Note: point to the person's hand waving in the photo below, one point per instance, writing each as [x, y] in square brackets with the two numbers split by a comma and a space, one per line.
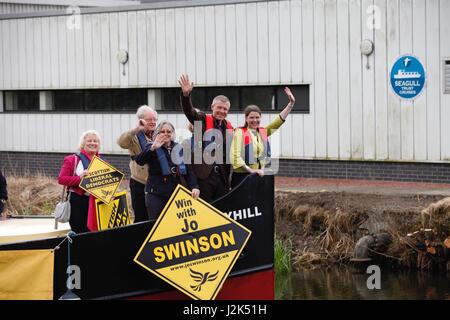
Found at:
[159, 141]
[290, 96]
[186, 85]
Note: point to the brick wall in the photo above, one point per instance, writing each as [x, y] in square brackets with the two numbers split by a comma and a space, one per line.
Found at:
[367, 170]
[50, 164]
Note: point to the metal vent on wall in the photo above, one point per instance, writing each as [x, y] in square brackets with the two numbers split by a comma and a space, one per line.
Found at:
[446, 75]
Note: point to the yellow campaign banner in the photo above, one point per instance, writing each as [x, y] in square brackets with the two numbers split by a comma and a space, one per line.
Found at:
[113, 215]
[101, 180]
[192, 246]
[26, 274]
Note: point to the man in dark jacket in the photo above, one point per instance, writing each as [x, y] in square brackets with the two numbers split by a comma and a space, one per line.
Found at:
[213, 169]
[3, 192]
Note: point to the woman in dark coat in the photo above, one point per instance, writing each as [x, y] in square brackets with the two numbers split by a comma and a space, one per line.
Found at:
[166, 170]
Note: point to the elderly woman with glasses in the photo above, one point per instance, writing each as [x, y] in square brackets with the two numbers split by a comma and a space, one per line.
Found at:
[166, 170]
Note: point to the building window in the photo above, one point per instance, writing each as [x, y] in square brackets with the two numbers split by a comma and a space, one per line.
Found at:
[201, 97]
[100, 100]
[231, 93]
[68, 100]
[446, 75]
[268, 98]
[170, 99]
[97, 100]
[26, 100]
[263, 97]
[301, 94]
[128, 99]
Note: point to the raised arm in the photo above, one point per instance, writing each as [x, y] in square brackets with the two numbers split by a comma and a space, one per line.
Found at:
[186, 103]
[125, 141]
[289, 106]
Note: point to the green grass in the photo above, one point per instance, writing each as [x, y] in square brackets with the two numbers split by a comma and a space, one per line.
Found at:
[48, 207]
[283, 255]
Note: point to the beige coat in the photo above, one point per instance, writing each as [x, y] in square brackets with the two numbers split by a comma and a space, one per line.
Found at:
[128, 140]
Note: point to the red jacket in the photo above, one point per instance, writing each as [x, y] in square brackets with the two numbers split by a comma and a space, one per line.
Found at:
[68, 178]
[66, 175]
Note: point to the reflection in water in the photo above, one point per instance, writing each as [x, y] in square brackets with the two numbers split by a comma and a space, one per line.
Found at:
[346, 282]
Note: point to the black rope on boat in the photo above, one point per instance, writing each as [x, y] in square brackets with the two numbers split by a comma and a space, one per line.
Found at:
[69, 295]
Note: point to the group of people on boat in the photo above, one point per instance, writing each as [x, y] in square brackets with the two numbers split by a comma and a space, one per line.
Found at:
[158, 163]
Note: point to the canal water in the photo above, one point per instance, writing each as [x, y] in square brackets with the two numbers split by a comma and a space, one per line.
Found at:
[349, 283]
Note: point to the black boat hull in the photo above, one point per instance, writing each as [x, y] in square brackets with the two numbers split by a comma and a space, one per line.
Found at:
[105, 258]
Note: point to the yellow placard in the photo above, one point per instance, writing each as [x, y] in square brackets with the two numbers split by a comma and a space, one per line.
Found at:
[192, 245]
[113, 215]
[101, 180]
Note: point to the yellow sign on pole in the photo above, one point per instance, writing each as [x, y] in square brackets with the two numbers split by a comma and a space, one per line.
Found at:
[192, 246]
[101, 180]
[113, 215]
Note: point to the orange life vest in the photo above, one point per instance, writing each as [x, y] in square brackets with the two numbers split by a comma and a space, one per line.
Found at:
[248, 145]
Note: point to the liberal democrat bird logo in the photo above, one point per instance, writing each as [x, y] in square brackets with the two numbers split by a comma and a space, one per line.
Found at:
[106, 193]
[201, 278]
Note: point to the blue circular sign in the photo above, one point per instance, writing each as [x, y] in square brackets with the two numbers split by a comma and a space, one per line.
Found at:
[407, 77]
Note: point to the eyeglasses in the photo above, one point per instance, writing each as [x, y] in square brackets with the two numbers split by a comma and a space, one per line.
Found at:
[151, 119]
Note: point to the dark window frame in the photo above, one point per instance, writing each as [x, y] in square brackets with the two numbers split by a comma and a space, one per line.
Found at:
[27, 95]
[116, 100]
[302, 107]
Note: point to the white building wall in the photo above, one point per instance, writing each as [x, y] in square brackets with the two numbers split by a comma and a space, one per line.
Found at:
[353, 112]
[56, 132]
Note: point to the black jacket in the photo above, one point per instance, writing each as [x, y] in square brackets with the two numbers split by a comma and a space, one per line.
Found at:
[160, 184]
[203, 170]
[3, 191]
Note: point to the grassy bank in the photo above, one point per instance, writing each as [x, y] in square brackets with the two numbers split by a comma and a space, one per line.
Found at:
[282, 255]
[38, 195]
[32, 195]
[324, 228]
